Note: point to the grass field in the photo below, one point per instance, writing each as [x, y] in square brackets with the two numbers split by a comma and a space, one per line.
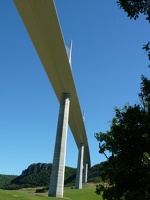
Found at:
[87, 193]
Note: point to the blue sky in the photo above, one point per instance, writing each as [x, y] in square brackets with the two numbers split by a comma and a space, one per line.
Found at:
[107, 62]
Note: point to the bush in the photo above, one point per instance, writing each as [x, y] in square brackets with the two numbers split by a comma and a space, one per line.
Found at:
[40, 190]
[11, 187]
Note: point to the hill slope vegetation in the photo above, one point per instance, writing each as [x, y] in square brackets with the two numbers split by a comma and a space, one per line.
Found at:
[39, 175]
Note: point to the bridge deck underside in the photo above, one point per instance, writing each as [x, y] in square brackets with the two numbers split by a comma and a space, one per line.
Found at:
[41, 21]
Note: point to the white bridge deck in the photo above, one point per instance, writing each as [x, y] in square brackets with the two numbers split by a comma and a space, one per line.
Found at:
[41, 21]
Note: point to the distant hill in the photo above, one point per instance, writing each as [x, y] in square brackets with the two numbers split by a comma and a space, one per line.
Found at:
[94, 174]
[39, 175]
[6, 179]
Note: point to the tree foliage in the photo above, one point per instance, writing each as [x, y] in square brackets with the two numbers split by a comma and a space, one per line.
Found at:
[128, 141]
[135, 7]
[127, 169]
[146, 47]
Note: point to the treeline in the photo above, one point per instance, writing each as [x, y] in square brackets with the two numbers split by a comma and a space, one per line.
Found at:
[6, 179]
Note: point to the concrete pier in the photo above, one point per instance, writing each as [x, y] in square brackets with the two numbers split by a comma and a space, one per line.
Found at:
[58, 168]
[85, 173]
[80, 168]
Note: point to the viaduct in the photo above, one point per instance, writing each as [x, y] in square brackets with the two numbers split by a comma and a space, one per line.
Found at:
[42, 24]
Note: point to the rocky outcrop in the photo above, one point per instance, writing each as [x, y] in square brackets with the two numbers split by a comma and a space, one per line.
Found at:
[36, 169]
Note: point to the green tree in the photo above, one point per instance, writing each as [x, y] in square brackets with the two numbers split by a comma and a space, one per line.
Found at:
[127, 169]
[128, 141]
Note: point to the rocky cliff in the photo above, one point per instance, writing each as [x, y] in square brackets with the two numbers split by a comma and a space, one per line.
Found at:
[36, 169]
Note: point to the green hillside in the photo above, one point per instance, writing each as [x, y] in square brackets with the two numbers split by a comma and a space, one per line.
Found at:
[6, 179]
[94, 174]
[39, 175]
